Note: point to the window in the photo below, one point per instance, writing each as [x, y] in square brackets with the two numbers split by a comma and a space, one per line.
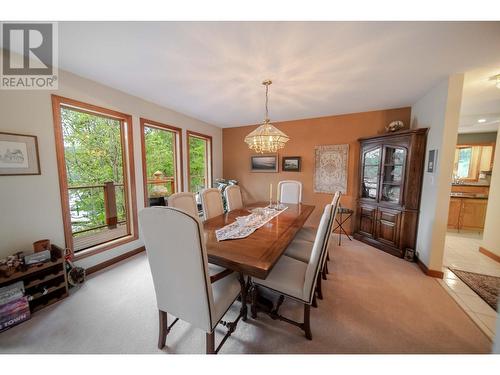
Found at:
[464, 162]
[199, 161]
[471, 160]
[161, 161]
[96, 176]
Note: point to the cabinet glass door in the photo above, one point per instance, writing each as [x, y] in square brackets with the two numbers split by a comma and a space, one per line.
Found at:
[392, 174]
[371, 170]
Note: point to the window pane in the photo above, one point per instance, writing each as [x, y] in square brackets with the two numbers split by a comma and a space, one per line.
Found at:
[371, 161]
[94, 168]
[198, 164]
[464, 157]
[160, 163]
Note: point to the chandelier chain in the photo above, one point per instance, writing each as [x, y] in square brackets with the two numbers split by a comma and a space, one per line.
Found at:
[267, 101]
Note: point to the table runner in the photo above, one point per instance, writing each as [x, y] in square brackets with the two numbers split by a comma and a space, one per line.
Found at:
[249, 224]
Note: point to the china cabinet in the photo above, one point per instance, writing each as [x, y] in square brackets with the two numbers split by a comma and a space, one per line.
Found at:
[391, 170]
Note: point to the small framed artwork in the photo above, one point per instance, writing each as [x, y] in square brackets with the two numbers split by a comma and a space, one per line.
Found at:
[18, 154]
[431, 163]
[290, 164]
[264, 163]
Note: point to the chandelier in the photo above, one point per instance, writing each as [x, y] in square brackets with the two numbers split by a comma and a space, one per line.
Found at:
[266, 138]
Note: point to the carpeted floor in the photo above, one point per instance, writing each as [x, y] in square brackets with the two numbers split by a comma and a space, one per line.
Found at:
[374, 303]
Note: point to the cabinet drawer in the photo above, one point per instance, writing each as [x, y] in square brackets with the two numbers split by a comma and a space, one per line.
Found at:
[367, 211]
[389, 216]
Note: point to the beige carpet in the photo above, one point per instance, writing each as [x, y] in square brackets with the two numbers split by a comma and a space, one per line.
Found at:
[374, 303]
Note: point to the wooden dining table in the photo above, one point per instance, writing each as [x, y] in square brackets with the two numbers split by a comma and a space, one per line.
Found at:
[255, 255]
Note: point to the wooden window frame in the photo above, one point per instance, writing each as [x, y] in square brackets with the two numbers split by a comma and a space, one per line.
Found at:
[209, 155]
[126, 131]
[178, 165]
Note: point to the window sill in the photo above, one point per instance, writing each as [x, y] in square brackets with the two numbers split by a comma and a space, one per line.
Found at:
[104, 247]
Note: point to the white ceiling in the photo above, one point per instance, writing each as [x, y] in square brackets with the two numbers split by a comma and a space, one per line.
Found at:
[213, 70]
[480, 101]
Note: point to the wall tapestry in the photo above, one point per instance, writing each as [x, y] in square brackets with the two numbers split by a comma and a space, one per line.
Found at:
[330, 168]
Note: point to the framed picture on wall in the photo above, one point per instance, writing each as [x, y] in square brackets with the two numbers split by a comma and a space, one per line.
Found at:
[264, 163]
[290, 164]
[18, 154]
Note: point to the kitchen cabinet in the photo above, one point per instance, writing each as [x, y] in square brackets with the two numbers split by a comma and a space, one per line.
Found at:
[467, 213]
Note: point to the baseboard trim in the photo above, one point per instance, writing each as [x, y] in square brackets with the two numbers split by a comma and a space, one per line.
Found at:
[428, 272]
[114, 260]
[489, 254]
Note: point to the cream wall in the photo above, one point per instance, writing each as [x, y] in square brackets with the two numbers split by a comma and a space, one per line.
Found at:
[439, 110]
[30, 206]
[491, 234]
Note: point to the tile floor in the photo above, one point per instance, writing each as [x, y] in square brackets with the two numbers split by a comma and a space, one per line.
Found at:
[462, 252]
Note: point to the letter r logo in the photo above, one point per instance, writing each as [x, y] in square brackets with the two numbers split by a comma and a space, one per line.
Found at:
[33, 47]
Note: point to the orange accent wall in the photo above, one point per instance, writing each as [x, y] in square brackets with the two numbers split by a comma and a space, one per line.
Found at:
[304, 135]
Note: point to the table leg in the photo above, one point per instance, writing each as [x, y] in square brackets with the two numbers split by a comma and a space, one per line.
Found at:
[340, 231]
[347, 218]
[244, 290]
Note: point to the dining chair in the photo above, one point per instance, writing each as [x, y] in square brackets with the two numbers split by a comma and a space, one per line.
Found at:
[290, 191]
[295, 279]
[181, 277]
[301, 249]
[233, 197]
[211, 202]
[184, 201]
[309, 233]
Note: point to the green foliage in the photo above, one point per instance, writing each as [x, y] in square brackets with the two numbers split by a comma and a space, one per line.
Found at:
[160, 148]
[197, 165]
[93, 152]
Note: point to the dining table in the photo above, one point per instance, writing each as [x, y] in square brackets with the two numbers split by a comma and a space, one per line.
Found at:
[255, 255]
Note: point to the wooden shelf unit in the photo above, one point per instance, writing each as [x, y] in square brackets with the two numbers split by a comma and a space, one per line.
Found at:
[391, 172]
[46, 283]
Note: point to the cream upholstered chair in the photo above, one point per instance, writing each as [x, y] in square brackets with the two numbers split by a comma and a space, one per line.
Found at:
[211, 202]
[295, 279]
[181, 274]
[184, 201]
[301, 249]
[233, 197]
[290, 191]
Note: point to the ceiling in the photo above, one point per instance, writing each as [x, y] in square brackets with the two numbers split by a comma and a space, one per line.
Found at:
[213, 71]
[480, 111]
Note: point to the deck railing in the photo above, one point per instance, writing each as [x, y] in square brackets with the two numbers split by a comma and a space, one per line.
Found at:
[113, 214]
[168, 181]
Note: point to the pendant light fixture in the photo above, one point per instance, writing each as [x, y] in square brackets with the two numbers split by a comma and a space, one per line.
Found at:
[266, 138]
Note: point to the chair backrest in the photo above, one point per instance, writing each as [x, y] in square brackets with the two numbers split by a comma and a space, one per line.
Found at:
[233, 197]
[318, 251]
[335, 206]
[185, 202]
[211, 201]
[178, 261]
[290, 191]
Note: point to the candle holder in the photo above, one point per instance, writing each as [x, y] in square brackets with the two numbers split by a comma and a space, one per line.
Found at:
[279, 206]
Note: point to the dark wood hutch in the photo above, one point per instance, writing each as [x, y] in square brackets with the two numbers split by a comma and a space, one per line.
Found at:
[391, 172]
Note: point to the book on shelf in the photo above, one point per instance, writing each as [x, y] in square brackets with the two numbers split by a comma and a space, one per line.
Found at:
[11, 292]
[14, 312]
